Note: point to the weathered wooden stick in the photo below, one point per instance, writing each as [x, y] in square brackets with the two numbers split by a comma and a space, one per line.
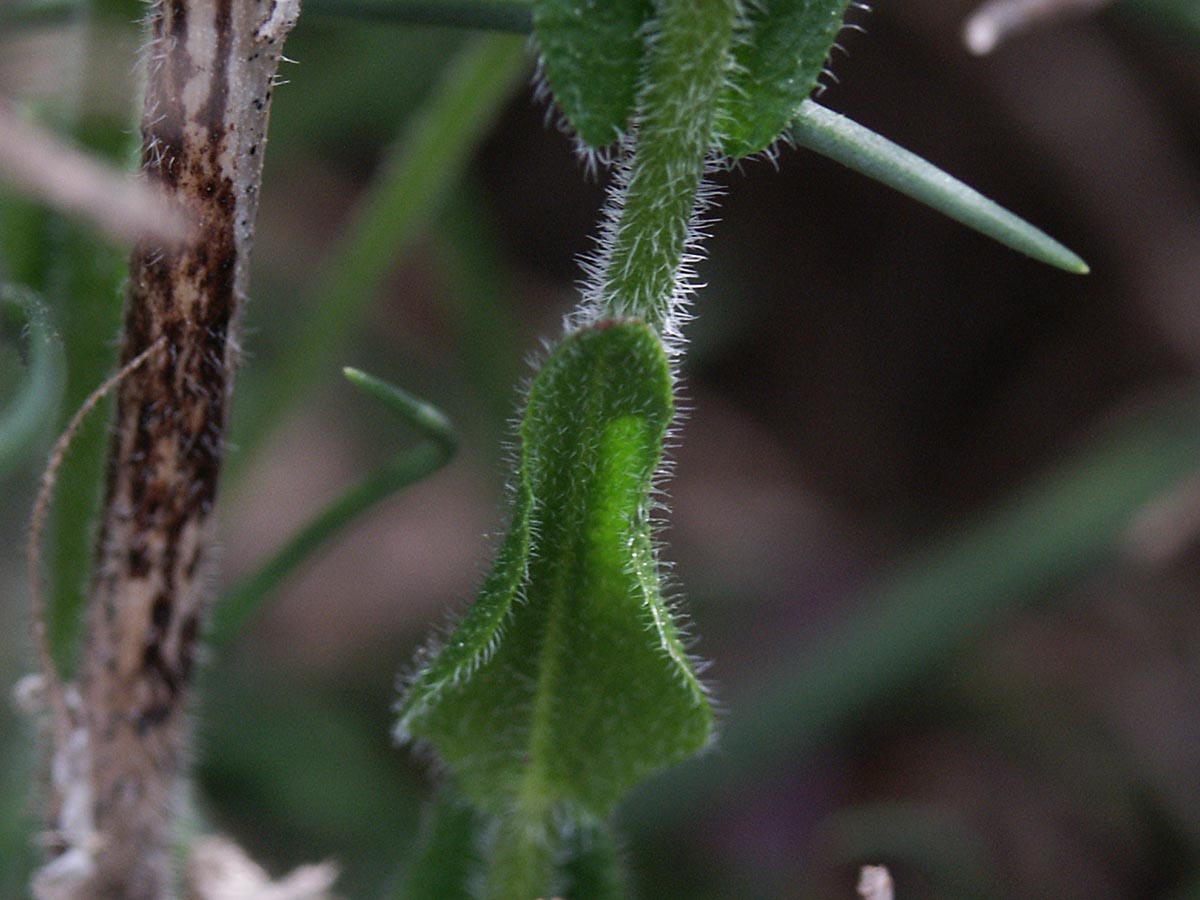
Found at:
[210, 73]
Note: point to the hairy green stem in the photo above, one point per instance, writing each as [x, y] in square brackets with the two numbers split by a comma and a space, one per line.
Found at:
[676, 127]
[675, 130]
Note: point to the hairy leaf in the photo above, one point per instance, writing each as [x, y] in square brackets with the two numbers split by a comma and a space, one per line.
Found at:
[567, 682]
[592, 56]
[782, 50]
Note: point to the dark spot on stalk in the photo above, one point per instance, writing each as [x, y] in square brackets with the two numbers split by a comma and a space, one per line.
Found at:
[160, 612]
[138, 563]
[151, 717]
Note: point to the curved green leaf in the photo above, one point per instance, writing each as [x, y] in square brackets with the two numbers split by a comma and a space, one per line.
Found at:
[241, 604]
[567, 681]
[861, 149]
[35, 404]
[782, 49]
[592, 56]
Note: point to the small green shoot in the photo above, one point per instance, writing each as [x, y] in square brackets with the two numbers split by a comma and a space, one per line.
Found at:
[243, 602]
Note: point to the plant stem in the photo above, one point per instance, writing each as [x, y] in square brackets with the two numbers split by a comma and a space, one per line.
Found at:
[644, 269]
[212, 68]
[657, 202]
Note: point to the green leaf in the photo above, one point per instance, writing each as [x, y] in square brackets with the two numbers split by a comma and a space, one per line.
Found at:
[781, 52]
[567, 681]
[24, 419]
[861, 149]
[592, 56]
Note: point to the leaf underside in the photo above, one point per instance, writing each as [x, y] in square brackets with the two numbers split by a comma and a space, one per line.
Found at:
[781, 52]
[566, 682]
[592, 57]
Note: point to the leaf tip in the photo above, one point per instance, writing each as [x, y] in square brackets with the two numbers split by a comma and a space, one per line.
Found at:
[1064, 258]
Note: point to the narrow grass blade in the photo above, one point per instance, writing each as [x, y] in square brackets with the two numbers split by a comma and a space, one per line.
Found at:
[412, 183]
[35, 405]
[241, 604]
[513, 16]
[861, 149]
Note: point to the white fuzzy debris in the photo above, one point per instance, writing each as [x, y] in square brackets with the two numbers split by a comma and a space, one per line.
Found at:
[875, 883]
[997, 20]
[71, 779]
[220, 870]
[29, 694]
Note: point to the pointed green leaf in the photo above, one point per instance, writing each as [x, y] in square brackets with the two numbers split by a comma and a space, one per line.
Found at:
[592, 56]
[567, 681]
[782, 50]
[861, 149]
